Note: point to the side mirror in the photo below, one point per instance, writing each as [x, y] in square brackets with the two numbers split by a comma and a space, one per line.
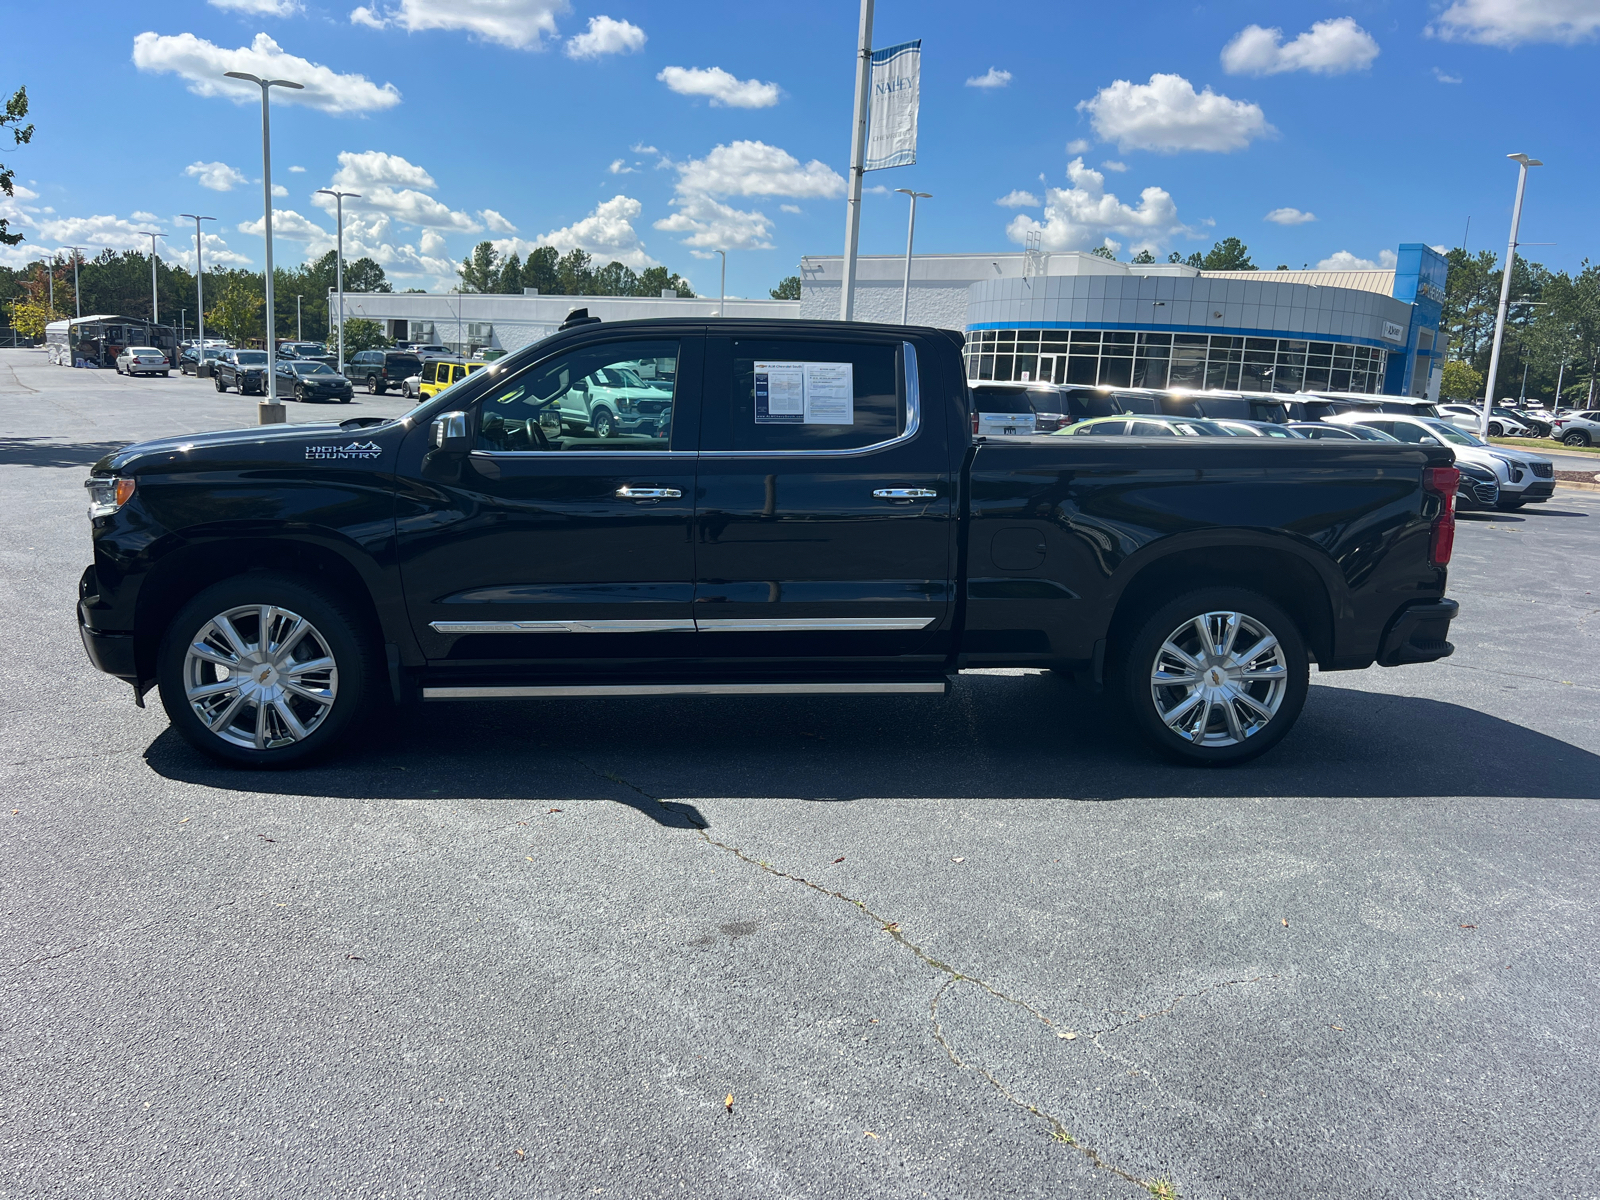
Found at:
[1428, 441]
[450, 433]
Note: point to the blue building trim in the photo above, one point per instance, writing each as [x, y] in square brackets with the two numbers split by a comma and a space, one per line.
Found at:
[1134, 327]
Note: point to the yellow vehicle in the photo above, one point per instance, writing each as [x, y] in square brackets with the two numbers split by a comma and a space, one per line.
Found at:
[438, 375]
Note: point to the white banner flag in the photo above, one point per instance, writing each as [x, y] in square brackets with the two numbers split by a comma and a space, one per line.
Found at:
[892, 124]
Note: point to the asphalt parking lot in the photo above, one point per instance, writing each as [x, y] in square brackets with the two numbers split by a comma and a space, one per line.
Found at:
[981, 946]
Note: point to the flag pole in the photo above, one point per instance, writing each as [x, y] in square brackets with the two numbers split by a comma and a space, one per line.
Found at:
[858, 154]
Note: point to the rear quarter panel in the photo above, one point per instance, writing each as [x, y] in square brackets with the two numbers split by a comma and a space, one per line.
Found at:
[1060, 527]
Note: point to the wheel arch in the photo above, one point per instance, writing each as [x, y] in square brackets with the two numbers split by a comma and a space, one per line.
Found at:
[1301, 582]
[180, 575]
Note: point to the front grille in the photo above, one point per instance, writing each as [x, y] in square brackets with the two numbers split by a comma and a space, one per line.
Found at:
[1486, 494]
[1544, 470]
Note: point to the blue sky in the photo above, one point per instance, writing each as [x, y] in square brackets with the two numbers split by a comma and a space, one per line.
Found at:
[656, 132]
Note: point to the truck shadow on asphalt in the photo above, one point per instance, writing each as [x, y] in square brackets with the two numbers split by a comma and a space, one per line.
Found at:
[1031, 737]
[46, 452]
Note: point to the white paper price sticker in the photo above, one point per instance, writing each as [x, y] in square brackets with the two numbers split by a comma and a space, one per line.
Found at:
[805, 393]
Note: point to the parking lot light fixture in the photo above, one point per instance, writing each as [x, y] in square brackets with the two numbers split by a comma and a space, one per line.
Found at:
[338, 257]
[199, 290]
[77, 296]
[911, 231]
[1523, 163]
[266, 85]
[155, 313]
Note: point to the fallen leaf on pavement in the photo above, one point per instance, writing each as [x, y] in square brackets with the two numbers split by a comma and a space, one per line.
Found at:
[555, 810]
[520, 1154]
[185, 821]
[892, 927]
[1286, 922]
[870, 1134]
[1469, 927]
[961, 859]
[728, 1103]
[265, 838]
[1068, 1035]
[1340, 1028]
[529, 857]
[840, 859]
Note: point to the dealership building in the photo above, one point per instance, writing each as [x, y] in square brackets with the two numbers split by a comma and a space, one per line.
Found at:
[1066, 317]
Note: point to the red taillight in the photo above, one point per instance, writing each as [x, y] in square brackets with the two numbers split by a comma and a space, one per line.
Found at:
[1442, 482]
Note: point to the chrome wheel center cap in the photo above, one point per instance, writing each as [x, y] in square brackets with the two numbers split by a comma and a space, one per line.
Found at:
[1216, 677]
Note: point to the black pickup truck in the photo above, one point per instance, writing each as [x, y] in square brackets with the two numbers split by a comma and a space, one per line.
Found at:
[818, 519]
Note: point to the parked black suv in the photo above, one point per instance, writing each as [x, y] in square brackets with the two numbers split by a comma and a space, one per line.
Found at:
[381, 370]
[242, 369]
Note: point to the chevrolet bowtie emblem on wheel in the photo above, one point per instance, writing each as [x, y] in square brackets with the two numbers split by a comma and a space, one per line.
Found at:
[353, 450]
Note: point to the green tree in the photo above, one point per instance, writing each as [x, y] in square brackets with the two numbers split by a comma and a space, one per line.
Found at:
[361, 334]
[16, 110]
[237, 310]
[788, 288]
[574, 276]
[539, 271]
[511, 276]
[480, 270]
[1143, 258]
[616, 279]
[1230, 254]
[1461, 382]
[1104, 252]
[655, 280]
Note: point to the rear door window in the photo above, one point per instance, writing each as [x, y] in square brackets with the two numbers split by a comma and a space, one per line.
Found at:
[815, 395]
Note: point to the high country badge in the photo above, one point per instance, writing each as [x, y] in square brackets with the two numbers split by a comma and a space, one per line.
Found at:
[353, 450]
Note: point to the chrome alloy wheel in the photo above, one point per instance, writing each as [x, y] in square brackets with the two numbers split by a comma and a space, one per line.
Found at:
[1219, 678]
[260, 677]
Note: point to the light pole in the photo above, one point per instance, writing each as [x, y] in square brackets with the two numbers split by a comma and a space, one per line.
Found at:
[199, 291]
[299, 329]
[77, 298]
[266, 86]
[911, 230]
[338, 258]
[722, 301]
[50, 274]
[155, 313]
[858, 165]
[1523, 163]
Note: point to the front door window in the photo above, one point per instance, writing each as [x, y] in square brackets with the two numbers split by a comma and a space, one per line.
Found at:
[595, 398]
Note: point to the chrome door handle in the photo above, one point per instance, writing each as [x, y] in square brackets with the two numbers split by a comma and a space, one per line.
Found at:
[904, 494]
[625, 492]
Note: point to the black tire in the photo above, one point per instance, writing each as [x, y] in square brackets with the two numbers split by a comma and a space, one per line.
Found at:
[372, 385]
[1496, 429]
[357, 683]
[1507, 505]
[344, 399]
[166, 374]
[1576, 438]
[300, 393]
[1141, 650]
[220, 385]
[604, 424]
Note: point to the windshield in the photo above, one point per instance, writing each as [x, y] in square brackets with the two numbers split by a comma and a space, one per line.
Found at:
[312, 369]
[252, 358]
[1456, 437]
[1000, 400]
[144, 350]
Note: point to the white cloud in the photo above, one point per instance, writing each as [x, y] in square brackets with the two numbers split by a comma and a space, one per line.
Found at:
[181, 250]
[279, 190]
[1508, 23]
[1168, 115]
[1078, 146]
[1112, 165]
[370, 168]
[606, 36]
[619, 167]
[297, 170]
[520, 24]
[641, 148]
[259, 8]
[431, 243]
[1327, 48]
[495, 222]
[721, 87]
[607, 233]
[1084, 215]
[1443, 78]
[791, 208]
[145, 218]
[712, 225]
[408, 206]
[1343, 260]
[747, 168]
[290, 225]
[992, 78]
[1289, 216]
[1019, 199]
[218, 176]
[202, 63]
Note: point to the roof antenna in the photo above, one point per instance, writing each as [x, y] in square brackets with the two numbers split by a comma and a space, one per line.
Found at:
[578, 316]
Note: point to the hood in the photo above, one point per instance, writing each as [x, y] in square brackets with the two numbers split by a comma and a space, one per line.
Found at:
[1520, 456]
[268, 442]
[1480, 457]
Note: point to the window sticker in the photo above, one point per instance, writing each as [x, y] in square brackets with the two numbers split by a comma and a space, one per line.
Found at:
[805, 393]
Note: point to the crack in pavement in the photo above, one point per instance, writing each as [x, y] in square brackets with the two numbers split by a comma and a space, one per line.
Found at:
[1058, 1129]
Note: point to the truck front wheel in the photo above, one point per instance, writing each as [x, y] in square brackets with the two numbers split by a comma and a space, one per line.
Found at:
[263, 671]
[1217, 676]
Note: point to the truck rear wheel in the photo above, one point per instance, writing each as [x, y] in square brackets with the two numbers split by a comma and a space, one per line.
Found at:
[264, 671]
[1217, 676]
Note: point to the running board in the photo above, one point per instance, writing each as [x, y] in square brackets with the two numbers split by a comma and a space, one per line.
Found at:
[932, 687]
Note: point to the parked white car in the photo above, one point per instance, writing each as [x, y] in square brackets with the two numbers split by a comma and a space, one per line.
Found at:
[1502, 422]
[1521, 475]
[411, 387]
[143, 360]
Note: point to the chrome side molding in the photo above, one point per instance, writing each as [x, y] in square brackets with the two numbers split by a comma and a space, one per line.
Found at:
[683, 626]
[928, 687]
[704, 624]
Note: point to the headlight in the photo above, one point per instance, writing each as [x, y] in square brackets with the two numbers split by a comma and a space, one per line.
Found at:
[107, 494]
